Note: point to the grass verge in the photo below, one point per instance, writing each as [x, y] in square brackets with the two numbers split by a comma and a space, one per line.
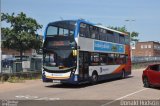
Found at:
[19, 77]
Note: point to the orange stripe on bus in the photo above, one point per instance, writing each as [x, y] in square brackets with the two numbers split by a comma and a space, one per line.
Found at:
[119, 69]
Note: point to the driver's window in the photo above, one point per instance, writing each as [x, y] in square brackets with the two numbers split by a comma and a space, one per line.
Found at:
[49, 59]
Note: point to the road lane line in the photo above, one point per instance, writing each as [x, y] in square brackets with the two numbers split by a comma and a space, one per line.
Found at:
[29, 97]
[123, 97]
[26, 96]
[47, 98]
[43, 98]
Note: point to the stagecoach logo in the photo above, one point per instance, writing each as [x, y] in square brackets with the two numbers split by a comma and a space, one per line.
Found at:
[102, 70]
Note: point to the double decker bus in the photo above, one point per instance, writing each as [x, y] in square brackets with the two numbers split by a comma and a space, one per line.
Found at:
[77, 51]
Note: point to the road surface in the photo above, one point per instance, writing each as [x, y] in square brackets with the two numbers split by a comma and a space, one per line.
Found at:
[105, 93]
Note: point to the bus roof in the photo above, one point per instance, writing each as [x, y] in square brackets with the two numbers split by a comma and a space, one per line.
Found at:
[112, 29]
[101, 26]
[90, 23]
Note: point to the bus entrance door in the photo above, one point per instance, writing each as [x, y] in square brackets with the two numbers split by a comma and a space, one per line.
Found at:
[84, 65]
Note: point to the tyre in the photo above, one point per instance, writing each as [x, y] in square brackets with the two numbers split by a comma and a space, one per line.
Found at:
[146, 82]
[94, 78]
[123, 75]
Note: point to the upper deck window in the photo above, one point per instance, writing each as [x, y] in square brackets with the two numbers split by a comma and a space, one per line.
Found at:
[84, 30]
[63, 32]
[110, 36]
[121, 39]
[94, 32]
[116, 37]
[62, 28]
[127, 40]
[52, 31]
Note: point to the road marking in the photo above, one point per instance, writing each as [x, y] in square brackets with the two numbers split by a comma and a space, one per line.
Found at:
[35, 97]
[47, 98]
[43, 98]
[108, 103]
[54, 98]
[26, 96]
[20, 96]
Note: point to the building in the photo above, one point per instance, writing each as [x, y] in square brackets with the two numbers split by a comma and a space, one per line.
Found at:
[7, 53]
[146, 49]
[10, 57]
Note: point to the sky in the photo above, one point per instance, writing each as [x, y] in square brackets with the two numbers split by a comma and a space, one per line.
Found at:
[143, 15]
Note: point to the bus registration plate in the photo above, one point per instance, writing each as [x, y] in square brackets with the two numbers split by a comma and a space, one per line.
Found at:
[56, 81]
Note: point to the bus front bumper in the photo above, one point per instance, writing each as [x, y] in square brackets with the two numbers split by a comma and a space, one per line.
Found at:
[71, 80]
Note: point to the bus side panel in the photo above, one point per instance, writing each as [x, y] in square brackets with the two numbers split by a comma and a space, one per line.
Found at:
[108, 72]
[103, 70]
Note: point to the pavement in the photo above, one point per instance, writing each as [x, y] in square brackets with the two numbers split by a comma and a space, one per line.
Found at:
[103, 94]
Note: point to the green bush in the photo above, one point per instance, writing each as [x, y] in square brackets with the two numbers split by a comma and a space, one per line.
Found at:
[20, 76]
[4, 77]
[14, 79]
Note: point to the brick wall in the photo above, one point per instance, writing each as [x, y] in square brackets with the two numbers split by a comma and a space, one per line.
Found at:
[6, 51]
[149, 48]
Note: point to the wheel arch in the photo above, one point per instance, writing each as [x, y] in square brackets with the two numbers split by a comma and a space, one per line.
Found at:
[94, 72]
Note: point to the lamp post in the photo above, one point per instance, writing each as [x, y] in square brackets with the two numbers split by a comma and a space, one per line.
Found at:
[129, 21]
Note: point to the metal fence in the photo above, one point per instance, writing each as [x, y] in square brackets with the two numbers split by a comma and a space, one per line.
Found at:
[35, 63]
[14, 66]
[140, 59]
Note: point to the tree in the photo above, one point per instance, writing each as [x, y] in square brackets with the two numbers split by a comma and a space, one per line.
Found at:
[133, 34]
[21, 34]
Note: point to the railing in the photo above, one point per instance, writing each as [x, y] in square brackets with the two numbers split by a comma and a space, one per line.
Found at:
[140, 59]
[10, 66]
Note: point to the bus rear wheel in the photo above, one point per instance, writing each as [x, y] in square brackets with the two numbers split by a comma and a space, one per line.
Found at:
[123, 74]
[94, 78]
